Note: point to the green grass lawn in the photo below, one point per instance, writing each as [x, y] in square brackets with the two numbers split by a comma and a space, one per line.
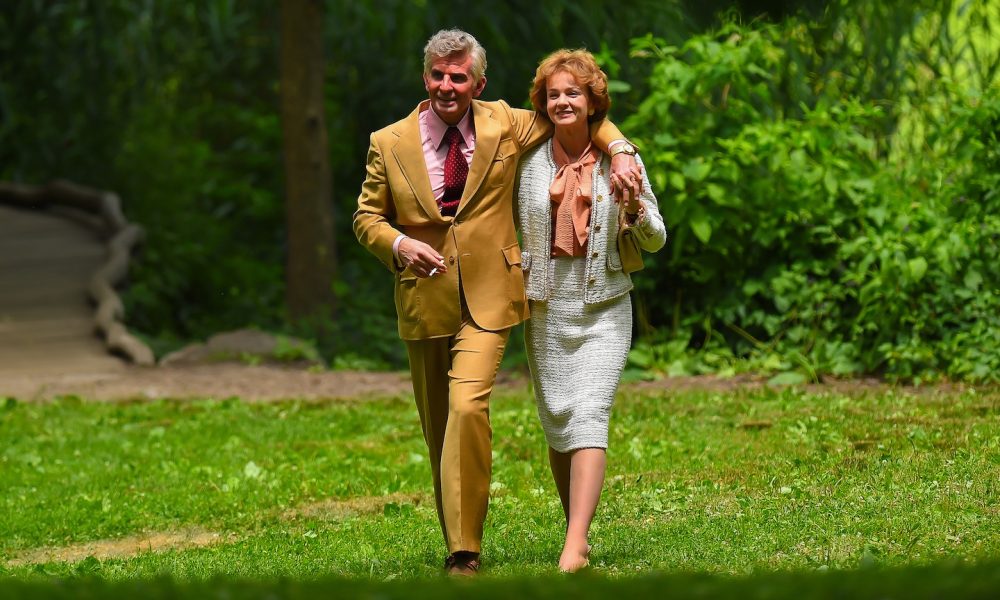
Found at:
[737, 483]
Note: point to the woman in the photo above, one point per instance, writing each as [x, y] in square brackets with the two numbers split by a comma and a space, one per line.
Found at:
[580, 329]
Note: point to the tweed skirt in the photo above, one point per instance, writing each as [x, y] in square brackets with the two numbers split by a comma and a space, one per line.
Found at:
[576, 353]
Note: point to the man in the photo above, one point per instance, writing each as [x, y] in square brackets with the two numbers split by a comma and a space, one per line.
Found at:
[445, 176]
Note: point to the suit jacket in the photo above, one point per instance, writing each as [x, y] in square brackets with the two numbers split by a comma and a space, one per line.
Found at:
[478, 244]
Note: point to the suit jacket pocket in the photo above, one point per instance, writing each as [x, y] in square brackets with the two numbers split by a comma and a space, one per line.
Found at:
[407, 297]
[515, 276]
[504, 163]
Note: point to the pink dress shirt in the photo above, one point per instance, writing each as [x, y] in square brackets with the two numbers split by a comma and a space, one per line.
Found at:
[432, 130]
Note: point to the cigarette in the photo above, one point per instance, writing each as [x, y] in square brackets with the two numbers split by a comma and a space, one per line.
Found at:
[433, 271]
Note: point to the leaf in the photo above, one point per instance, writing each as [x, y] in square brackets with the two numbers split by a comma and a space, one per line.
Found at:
[32, 459]
[787, 378]
[702, 228]
[616, 86]
[677, 180]
[678, 368]
[878, 214]
[973, 280]
[830, 182]
[640, 356]
[664, 139]
[632, 375]
[252, 471]
[697, 169]
[88, 566]
[917, 266]
[864, 185]
[718, 194]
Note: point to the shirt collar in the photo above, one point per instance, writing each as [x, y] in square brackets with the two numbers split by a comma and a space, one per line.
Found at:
[436, 128]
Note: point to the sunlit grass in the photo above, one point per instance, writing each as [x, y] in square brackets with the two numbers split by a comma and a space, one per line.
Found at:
[728, 483]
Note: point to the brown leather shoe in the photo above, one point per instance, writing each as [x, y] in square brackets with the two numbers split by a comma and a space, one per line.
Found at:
[462, 564]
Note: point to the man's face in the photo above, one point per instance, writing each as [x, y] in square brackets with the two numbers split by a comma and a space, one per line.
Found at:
[451, 88]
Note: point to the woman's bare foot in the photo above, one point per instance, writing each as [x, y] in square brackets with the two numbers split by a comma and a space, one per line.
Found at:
[574, 557]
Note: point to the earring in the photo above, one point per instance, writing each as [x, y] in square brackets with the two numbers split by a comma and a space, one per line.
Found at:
[590, 113]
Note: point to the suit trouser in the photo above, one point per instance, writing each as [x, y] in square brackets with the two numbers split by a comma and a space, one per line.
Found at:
[452, 381]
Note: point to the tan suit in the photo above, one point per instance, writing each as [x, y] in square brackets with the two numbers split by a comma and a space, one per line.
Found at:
[456, 324]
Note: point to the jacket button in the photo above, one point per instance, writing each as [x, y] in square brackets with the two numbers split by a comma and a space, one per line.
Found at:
[451, 260]
[594, 255]
[600, 197]
[597, 227]
[592, 281]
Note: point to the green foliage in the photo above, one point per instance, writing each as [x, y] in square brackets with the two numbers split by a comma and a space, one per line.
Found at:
[798, 244]
[174, 106]
[828, 178]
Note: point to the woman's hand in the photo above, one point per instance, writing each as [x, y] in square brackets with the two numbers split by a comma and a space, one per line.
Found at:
[633, 204]
[626, 176]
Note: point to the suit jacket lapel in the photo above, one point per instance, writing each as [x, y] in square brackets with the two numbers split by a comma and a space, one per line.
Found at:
[487, 142]
[409, 153]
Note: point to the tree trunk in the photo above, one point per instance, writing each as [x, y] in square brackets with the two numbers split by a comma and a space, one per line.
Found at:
[311, 265]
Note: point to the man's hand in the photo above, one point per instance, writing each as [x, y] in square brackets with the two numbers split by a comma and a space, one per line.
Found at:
[626, 176]
[421, 259]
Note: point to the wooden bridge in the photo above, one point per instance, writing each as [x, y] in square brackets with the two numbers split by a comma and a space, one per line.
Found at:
[62, 249]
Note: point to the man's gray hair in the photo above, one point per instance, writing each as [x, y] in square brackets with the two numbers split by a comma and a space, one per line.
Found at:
[448, 42]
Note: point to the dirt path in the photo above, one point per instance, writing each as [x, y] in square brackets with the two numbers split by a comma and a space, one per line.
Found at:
[195, 537]
[254, 383]
[262, 383]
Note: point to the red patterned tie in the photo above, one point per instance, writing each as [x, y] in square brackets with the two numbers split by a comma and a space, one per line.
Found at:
[456, 170]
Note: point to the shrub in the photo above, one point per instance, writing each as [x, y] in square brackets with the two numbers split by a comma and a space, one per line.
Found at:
[797, 242]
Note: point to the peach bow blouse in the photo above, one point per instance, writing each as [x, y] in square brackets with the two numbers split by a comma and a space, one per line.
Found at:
[571, 193]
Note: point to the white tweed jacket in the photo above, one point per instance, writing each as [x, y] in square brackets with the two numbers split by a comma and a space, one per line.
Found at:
[605, 278]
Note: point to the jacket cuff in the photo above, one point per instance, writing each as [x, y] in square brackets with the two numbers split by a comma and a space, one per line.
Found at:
[643, 226]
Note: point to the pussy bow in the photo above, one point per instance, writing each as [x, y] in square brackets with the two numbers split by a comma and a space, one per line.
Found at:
[573, 182]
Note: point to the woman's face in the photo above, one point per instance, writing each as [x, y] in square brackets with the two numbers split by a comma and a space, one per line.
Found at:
[567, 103]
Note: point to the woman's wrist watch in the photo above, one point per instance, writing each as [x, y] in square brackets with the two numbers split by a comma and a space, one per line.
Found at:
[625, 148]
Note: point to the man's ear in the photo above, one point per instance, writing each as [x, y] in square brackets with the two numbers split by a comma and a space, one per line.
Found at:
[480, 86]
[426, 85]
